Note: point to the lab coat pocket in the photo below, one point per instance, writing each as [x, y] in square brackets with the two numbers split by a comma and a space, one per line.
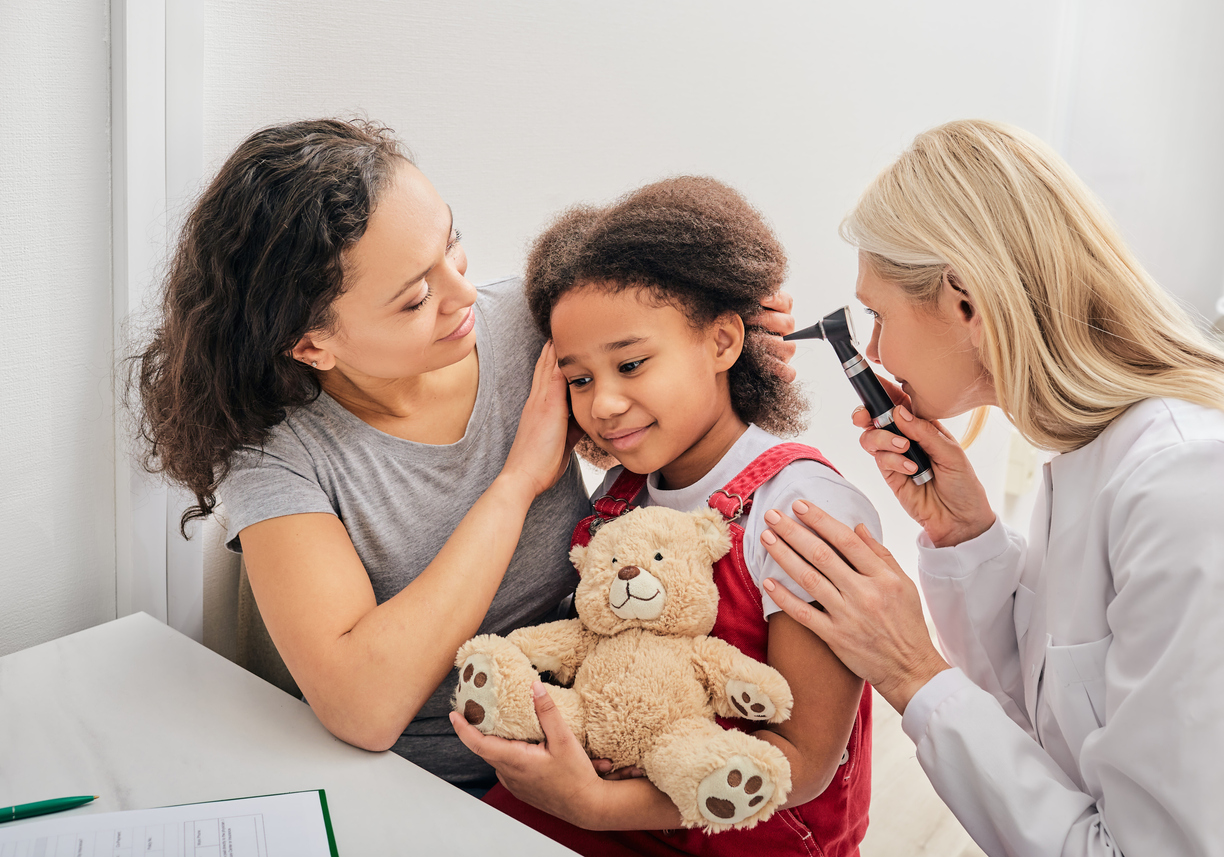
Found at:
[1022, 610]
[1075, 689]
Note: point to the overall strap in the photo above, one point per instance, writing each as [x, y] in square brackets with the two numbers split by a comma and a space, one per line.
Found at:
[616, 502]
[735, 498]
[611, 505]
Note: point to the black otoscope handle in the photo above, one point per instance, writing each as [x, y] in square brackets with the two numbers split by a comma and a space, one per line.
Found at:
[878, 404]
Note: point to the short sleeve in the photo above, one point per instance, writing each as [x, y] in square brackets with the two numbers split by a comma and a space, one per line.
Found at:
[813, 483]
[278, 480]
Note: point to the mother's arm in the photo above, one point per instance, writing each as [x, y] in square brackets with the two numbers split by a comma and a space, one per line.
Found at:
[366, 669]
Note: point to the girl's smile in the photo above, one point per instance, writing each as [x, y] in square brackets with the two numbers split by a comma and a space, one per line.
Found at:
[646, 385]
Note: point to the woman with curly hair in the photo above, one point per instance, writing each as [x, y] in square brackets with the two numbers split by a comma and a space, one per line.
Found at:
[393, 475]
[646, 302]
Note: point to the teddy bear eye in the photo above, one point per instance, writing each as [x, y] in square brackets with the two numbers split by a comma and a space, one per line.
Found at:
[614, 560]
[658, 556]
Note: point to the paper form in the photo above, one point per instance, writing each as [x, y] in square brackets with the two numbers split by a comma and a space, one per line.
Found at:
[288, 825]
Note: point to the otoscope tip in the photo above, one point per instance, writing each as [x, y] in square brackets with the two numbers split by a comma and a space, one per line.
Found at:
[813, 332]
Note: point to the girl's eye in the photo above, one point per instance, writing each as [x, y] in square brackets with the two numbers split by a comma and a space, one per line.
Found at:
[456, 237]
[424, 299]
[579, 383]
[631, 366]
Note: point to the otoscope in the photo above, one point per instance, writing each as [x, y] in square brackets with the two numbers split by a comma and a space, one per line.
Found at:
[838, 330]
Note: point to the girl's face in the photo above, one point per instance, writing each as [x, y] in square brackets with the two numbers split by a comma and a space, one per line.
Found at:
[931, 352]
[644, 385]
[407, 308]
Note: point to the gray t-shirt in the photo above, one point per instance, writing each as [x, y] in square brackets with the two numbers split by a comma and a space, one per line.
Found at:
[400, 501]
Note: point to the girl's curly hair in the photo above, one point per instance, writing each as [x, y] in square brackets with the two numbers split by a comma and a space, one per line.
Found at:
[259, 263]
[689, 241]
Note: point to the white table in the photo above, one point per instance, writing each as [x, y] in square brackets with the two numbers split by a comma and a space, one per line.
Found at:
[143, 716]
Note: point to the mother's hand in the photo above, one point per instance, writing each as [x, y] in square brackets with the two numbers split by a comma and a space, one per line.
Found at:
[952, 507]
[775, 317]
[871, 617]
[546, 433]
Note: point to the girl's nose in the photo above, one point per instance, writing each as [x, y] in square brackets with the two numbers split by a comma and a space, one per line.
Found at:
[608, 402]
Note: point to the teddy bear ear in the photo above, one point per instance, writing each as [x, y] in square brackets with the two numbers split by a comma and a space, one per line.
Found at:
[577, 554]
[712, 529]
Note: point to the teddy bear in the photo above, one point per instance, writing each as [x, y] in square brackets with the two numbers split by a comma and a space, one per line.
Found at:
[643, 678]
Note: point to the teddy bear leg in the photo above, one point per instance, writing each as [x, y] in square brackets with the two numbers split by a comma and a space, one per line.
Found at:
[718, 778]
[494, 690]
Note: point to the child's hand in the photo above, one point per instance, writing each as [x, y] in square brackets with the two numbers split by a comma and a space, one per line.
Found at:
[555, 776]
[605, 770]
[775, 317]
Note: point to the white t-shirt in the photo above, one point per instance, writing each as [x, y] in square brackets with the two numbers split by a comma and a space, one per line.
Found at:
[801, 480]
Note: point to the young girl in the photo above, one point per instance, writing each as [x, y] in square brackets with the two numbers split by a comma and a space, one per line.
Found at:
[645, 302]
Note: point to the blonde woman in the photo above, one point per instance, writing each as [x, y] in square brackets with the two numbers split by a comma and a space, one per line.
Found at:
[1084, 713]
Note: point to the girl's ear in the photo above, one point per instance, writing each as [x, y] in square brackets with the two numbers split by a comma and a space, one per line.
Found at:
[964, 310]
[727, 337]
[310, 351]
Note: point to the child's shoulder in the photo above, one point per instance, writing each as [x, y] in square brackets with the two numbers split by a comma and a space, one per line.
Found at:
[814, 481]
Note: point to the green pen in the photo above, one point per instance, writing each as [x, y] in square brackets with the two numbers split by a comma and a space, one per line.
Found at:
[42, 807]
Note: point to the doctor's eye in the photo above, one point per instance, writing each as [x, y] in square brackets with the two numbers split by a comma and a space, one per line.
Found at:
[659, 556]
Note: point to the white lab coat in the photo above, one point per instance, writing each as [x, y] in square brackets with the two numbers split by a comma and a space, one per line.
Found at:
[1087, 713]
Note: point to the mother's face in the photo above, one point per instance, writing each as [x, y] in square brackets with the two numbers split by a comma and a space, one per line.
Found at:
[932, 351]
[407, 307]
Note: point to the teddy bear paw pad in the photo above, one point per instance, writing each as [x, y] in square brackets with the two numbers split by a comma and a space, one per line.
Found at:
[749, 700]
[734, 792]
[476, 698]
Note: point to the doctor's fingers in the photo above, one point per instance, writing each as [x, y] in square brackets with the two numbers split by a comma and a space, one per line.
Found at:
[811, 616]
[804, 557]
[830, 545]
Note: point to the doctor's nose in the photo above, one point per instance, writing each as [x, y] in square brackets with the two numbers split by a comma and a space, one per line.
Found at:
[872, 352]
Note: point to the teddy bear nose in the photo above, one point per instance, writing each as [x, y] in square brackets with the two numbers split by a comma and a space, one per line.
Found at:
[629, 572]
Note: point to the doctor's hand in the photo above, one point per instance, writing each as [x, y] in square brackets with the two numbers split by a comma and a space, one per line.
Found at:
[555, 776]
[869, 612]
[952, 507]
[775, 317]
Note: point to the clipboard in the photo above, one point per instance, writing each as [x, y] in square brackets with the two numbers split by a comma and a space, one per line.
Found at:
[293, 824]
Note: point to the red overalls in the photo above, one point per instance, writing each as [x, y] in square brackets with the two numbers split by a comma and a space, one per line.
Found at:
[831, 824]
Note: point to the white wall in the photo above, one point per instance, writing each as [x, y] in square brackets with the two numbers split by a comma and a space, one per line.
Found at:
[1144, 128]
[57, 541]
[517, 108]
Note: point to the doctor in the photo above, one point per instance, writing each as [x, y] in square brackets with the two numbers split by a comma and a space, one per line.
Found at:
[1084, 711]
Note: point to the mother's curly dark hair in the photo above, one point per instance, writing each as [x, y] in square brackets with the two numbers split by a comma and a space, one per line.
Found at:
[260, 262]
[689, 241]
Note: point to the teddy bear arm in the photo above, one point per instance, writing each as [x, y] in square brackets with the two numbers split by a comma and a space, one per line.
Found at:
[741, 686]
[554, 647]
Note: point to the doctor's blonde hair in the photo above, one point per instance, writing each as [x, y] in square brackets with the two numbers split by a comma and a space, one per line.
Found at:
[1075, 331]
